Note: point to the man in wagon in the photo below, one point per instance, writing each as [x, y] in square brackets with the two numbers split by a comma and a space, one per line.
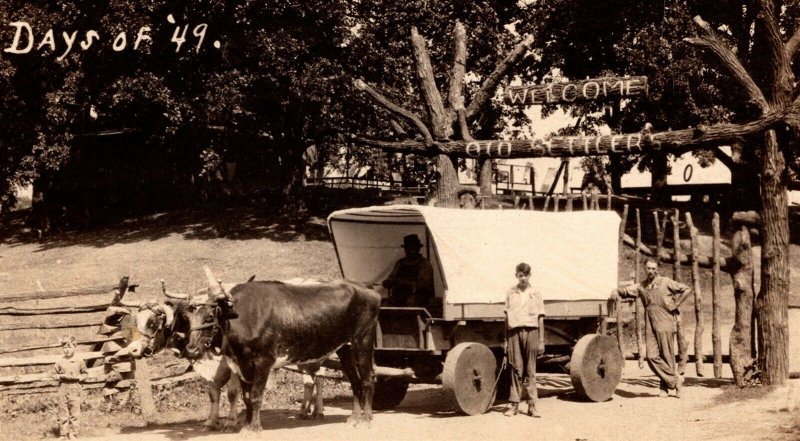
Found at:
[411, 281]
[661, 297]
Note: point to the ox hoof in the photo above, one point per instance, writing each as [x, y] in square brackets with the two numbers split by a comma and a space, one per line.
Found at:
[251, 428]
[210, 427]
[318, 416]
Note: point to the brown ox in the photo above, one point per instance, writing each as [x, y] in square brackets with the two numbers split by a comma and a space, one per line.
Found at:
[164, 325]
[273, 324]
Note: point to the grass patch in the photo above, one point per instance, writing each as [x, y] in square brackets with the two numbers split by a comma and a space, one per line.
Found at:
[732, 394]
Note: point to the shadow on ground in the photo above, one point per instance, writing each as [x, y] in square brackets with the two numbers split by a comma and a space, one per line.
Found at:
[228, 223]
[271, 419]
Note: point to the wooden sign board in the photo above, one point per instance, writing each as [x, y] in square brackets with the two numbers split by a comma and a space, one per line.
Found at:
[586, 90]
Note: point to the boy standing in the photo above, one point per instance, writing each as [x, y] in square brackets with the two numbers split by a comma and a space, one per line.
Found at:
[524, 320]
[69, 372]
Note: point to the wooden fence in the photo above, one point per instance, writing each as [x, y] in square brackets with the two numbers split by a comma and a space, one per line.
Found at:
[715, 263]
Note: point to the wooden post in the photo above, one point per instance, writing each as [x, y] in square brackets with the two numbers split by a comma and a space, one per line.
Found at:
[676, 275]
[530, 201]
[585, 205]
[621, 256]
[608, 200]
[556, 200]
[516, 202]
[569, 202]
[698, 299]
[637, 302]
[716, 339]
[546, 202]
[742, 344]
[144, 390]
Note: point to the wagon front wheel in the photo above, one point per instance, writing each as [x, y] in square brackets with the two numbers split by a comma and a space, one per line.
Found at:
[596, 367]
[468, 377]
[389, 393]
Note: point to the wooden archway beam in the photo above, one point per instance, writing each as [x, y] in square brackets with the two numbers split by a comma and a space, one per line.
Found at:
[675, 141]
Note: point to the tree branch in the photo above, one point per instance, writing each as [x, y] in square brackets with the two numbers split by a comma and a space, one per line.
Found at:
[730, 61]
[793, 44]
[570, 146]
[456, 90]
[783, 78]
[490, 83]
[395, 109]
[427, 84]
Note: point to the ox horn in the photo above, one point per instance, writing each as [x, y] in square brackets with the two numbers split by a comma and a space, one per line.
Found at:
[215, 290]
[172, 295]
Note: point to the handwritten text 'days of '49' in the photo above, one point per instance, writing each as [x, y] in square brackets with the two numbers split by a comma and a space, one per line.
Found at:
[27, 39]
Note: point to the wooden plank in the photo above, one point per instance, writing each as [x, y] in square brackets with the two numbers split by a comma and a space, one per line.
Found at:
[90, 341]
[45, 359]
[698, 298]
[53, 324]
[67, 292]
[10, 310]
[716, 308]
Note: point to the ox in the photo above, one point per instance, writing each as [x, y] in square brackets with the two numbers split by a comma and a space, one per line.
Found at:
[272, 324]
[164, 325]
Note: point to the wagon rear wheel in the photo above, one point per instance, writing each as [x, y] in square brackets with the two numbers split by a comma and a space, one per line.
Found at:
[389, 392]
[596, 367]
[468, 377]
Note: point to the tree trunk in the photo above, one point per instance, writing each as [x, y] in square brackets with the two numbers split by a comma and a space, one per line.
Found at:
[447, 182]
[773, 301]
[293, 204]
[741, 339]
[658, 171]
[485, 177]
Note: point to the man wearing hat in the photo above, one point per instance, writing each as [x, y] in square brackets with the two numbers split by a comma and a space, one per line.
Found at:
[411, 281]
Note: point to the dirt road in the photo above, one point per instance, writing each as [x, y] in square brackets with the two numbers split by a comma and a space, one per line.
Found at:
[634, 413]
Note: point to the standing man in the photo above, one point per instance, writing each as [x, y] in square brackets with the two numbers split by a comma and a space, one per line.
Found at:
[411, 281]
[661, 297]
[524, 320]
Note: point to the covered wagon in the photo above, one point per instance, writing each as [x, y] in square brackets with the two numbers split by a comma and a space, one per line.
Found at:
[574, 260]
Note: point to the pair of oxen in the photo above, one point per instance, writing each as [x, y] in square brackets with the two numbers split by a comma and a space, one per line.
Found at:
[237, 334]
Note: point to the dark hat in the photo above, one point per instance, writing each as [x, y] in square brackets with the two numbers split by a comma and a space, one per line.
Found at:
[412, 241]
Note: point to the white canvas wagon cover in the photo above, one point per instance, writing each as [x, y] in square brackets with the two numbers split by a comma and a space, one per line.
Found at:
[573, 255]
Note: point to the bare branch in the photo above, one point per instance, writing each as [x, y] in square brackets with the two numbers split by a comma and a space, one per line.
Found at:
[780, 62]
[456, 91]
[793, 44]
[463, 125]
[490, 83]
[395, 109]
[427, 83]
[711, 41]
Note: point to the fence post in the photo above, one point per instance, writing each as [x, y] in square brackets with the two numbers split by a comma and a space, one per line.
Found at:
[618, 305]
[698, 299]
[716, 340]
[641, 349]
[676, 274]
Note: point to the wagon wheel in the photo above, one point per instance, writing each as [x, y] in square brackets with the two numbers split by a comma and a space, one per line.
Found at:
[468, 377]
[596, 367]
[389, 392]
